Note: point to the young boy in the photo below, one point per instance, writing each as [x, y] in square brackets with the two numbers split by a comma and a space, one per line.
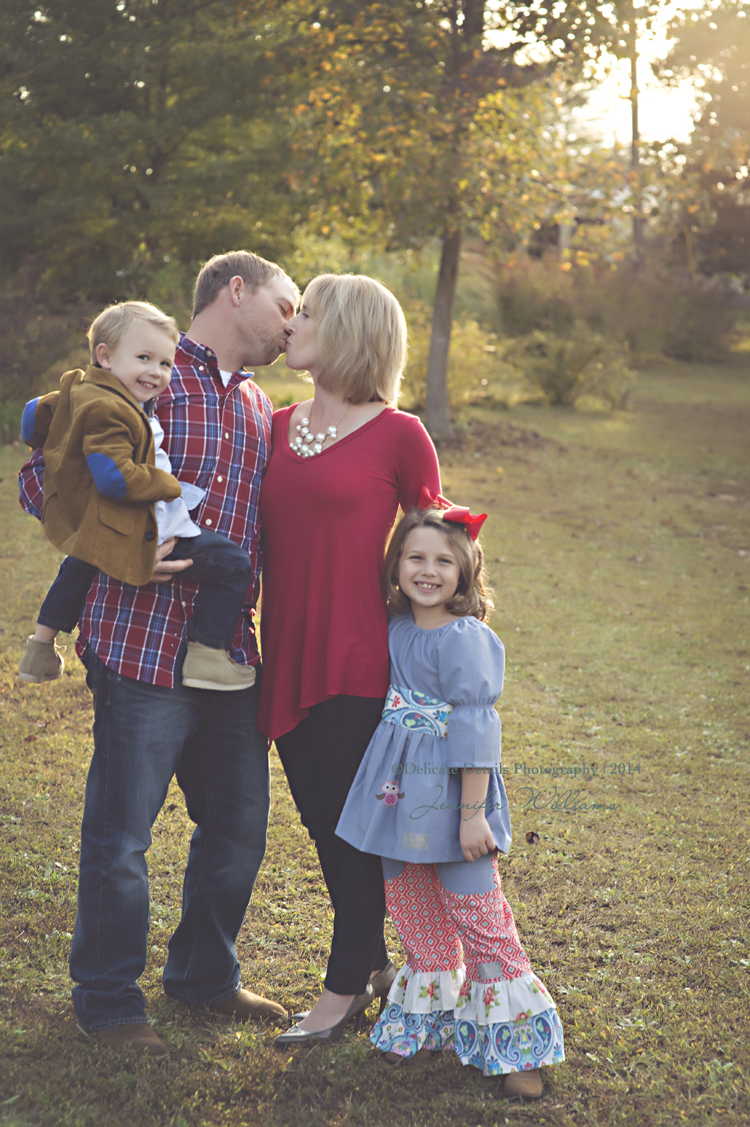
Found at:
[110, 498]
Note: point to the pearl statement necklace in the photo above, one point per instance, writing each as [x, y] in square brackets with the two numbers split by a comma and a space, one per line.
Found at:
[307, 445]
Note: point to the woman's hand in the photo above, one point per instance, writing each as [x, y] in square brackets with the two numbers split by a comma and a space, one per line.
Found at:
[475, 835]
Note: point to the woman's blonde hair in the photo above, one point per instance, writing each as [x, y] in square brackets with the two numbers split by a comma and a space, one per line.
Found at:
[361, 337]
[112, 323]
[473, 595]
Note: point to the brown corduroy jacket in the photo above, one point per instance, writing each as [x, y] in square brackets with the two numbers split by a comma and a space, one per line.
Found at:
[100, 481]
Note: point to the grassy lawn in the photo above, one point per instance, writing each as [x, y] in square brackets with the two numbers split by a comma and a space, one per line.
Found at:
[619, 549]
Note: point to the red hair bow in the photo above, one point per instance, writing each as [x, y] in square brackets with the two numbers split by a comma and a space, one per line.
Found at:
[458, 514]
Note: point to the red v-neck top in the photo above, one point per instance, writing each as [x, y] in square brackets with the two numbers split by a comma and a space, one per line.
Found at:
[326, 520]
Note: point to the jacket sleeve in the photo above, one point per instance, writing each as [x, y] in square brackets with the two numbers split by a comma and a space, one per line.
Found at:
[108, 444]
[37, 418]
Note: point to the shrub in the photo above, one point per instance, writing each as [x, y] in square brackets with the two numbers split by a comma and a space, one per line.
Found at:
[653, 310]
[567, 368]
[477, 365]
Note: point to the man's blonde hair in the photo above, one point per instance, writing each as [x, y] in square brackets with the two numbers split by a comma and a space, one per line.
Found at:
[111, 325]
[219, 271]
[361, 337]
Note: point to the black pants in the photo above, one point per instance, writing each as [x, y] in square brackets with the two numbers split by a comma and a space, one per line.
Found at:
[222, 568]
[321, 756]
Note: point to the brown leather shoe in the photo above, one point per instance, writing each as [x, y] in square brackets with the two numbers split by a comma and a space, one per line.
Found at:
[420, 1055]
[136, 1038]
[526, 1084]
[246, 1006]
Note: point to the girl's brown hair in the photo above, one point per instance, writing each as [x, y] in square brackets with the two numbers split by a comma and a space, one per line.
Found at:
[472, 597]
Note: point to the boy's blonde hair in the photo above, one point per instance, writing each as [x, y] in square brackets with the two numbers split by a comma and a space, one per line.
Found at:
[361, 337]
[473, 596]
[112, 323]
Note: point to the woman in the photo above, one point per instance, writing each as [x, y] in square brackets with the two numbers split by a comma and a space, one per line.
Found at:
[342, 464]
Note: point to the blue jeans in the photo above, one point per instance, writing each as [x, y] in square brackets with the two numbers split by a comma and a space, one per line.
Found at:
[143, 735]
[222, 568]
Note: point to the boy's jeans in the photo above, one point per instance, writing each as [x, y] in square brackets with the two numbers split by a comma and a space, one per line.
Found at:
[222, 568]
[143, 735]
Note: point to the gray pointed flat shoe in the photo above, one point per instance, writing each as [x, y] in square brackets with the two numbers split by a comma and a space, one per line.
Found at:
[355, 1013]
[380, 985]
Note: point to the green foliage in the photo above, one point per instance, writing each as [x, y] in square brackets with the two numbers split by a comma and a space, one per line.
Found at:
[713, 45]
[133, 134]
[652, 310]
[477, 367]
[417, 121]
[36, 347]
[10, 422]
[565, 369]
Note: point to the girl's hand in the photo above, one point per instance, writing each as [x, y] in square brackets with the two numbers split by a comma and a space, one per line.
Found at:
[475, 836]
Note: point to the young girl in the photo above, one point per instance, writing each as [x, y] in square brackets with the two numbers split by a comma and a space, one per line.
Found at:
[429, 797]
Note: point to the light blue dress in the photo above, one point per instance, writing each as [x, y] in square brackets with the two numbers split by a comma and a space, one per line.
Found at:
[405, 800]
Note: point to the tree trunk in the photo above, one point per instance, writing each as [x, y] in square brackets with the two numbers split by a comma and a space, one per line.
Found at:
[635, 145]
[438, 408]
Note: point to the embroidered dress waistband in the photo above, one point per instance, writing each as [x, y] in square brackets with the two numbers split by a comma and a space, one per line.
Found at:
[416, 711]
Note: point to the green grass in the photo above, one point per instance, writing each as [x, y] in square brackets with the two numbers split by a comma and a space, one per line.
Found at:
[619, 549]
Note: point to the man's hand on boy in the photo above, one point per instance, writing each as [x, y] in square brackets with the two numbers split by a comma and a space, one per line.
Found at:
[163, 570]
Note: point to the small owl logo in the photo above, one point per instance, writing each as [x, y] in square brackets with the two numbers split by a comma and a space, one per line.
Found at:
[390, 793]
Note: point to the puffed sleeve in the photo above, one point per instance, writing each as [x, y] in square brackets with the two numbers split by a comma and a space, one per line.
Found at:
[471, 666]
[417, 462]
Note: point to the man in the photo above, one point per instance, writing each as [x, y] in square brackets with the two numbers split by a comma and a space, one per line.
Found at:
[147, 725]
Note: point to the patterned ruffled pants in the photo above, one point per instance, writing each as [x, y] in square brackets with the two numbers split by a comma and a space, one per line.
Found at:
[468, 984]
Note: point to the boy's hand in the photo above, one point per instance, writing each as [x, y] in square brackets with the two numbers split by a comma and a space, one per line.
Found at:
[163, 570]
[475, 836]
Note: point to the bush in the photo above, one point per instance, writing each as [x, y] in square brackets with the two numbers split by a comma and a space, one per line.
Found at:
[564, 369]
[652, 310]
[477, 365]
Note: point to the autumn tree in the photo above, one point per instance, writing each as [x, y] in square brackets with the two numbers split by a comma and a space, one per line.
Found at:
[713, 46]
[423, 119]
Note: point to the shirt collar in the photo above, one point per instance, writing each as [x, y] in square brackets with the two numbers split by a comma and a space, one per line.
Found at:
[201, 353]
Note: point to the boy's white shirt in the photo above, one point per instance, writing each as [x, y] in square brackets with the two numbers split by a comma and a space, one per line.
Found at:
[173, 517]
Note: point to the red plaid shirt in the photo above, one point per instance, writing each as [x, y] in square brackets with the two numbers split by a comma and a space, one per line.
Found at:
[220, 440]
